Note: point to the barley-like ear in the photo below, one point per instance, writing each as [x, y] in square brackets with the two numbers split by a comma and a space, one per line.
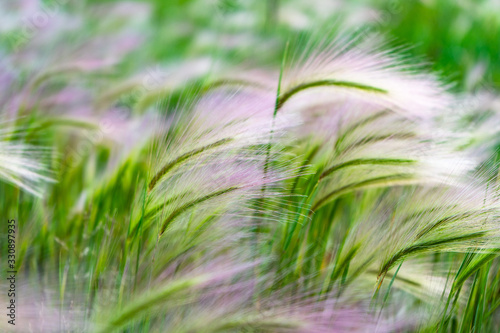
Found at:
[429, 282]
[217, 159]
[463, 221]
[360, 145]
[368, 114]
[355, 66]
[361, 66]
[21, 164]
[431, 220]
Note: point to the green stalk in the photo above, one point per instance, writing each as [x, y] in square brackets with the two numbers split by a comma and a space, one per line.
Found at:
[325, 83]
[187, 206]
[379, 181]
[169, 166]
[366, 161]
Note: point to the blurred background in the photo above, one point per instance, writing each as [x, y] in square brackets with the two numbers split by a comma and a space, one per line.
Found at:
[460, 39]
[83, 83]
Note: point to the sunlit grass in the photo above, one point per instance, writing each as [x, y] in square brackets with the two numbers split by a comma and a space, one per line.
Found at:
[346, 190]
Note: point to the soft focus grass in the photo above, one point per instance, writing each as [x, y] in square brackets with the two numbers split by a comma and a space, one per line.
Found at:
[144, 241]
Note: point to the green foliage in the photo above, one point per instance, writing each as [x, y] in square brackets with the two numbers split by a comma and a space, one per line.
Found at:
[206, 197]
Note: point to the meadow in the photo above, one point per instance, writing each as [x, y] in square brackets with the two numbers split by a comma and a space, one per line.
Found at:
[241, 166]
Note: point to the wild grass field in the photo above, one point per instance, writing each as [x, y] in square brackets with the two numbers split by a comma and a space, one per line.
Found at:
[249, 166]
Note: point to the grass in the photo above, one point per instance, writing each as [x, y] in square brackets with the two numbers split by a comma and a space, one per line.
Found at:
[348, 190]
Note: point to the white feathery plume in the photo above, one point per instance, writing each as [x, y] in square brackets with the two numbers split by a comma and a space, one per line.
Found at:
[361, 67]
[219, 157]
[429, 220]
[22, 164]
